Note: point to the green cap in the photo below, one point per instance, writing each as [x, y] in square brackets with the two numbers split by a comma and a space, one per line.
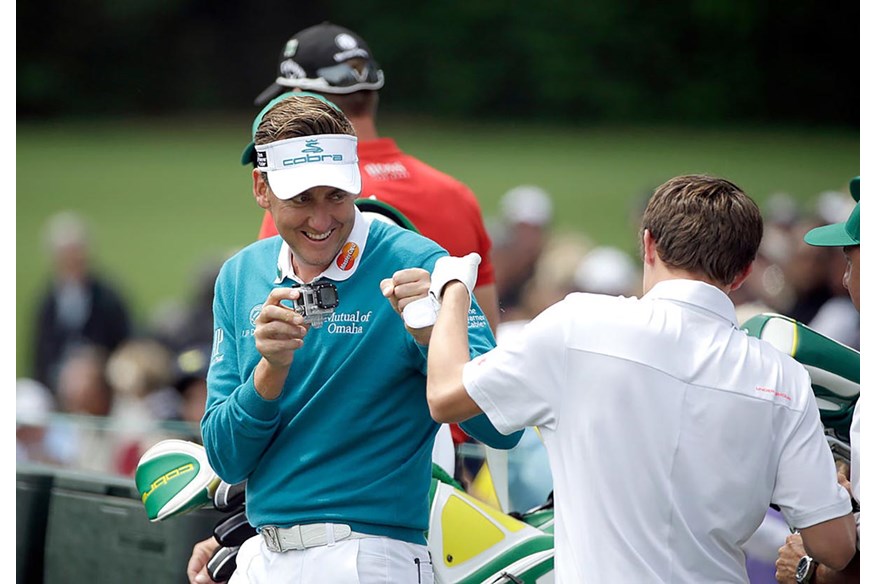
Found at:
[248, 155]
[840, 234]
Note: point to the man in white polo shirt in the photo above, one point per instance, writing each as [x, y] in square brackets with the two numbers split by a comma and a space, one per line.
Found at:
[669, 430]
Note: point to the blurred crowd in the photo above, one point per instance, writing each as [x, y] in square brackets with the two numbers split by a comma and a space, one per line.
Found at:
[537, 265]
[103, 388]
[112, 388]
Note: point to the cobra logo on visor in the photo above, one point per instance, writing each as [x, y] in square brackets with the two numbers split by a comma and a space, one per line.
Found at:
[324, 149]
[313, 158]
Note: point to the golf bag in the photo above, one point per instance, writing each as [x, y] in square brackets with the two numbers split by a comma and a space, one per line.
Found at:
[470, 541]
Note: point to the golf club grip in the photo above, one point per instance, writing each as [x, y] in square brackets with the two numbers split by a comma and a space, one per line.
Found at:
[223, 563]
[233, 530]
[229, 497]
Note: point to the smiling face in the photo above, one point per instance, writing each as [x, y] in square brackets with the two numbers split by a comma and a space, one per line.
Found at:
[315, 223]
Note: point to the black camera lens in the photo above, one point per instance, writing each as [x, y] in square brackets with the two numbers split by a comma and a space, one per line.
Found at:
[327, 296]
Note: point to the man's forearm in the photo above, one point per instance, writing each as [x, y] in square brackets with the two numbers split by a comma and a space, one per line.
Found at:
[848, 575]
[831, 542]
[269, 379]
[448, 354]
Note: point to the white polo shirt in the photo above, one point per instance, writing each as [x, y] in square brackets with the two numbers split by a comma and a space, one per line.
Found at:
[669, 432]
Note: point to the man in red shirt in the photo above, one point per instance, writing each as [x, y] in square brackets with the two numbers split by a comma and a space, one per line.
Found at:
[335, 62]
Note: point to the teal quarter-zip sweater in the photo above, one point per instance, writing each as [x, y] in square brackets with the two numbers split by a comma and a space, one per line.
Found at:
[350, 438]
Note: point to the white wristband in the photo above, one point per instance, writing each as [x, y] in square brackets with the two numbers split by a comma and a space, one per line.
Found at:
[420, 313]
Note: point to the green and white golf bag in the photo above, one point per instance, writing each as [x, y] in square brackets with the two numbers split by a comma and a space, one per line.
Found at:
[470, 541]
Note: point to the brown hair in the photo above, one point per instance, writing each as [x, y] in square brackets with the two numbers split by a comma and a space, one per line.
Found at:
[704, 225]
[299, 116]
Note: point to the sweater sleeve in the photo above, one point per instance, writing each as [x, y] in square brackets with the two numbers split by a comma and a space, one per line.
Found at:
[238, 423]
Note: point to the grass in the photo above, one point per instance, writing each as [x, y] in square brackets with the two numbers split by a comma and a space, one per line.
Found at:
[164, 196]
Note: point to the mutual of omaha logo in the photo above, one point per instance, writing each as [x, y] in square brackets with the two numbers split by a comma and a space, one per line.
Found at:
[348, 256]
[254, 313]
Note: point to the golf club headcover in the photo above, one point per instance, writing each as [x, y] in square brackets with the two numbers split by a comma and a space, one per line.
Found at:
[173, 477]
[234, 530]
[449, 268]
[228, 498]
[223, 563]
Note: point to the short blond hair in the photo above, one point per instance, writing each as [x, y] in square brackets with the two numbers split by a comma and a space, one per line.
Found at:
[299, 116]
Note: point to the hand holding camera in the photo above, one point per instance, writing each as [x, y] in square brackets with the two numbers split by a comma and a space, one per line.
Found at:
[283, 320]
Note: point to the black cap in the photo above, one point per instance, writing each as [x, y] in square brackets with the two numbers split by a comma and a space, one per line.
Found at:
[315, 59]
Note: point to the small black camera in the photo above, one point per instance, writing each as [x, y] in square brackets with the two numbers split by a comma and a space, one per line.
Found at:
[317, 302]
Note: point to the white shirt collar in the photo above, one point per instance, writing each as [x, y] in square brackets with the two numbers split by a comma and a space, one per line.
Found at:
[695, 293]
[344, 264]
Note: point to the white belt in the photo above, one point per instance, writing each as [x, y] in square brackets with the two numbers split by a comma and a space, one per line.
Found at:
[299, 537]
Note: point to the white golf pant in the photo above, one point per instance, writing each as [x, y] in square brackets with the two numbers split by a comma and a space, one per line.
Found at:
[371, 560]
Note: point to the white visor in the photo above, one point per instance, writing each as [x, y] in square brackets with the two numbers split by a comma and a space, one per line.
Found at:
[298, 164]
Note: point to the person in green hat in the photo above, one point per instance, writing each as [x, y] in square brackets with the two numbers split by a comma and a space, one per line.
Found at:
[793, 563]
[847, 236]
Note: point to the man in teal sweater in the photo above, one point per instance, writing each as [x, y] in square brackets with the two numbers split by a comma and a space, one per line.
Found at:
[328, 422]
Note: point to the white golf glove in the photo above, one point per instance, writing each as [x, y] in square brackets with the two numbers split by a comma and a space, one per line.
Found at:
[423, 313]
[448, 269]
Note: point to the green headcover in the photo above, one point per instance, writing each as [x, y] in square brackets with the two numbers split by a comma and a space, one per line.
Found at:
[173, 477]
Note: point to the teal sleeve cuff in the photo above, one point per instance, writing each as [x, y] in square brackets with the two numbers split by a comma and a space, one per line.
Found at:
[254, 405]
[480, 428]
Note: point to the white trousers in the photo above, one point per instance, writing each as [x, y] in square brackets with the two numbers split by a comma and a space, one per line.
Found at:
[371, 560]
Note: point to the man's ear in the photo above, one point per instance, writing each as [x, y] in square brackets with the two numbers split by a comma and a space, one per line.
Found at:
[741, 277]
[649, 248]
[260, 189]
